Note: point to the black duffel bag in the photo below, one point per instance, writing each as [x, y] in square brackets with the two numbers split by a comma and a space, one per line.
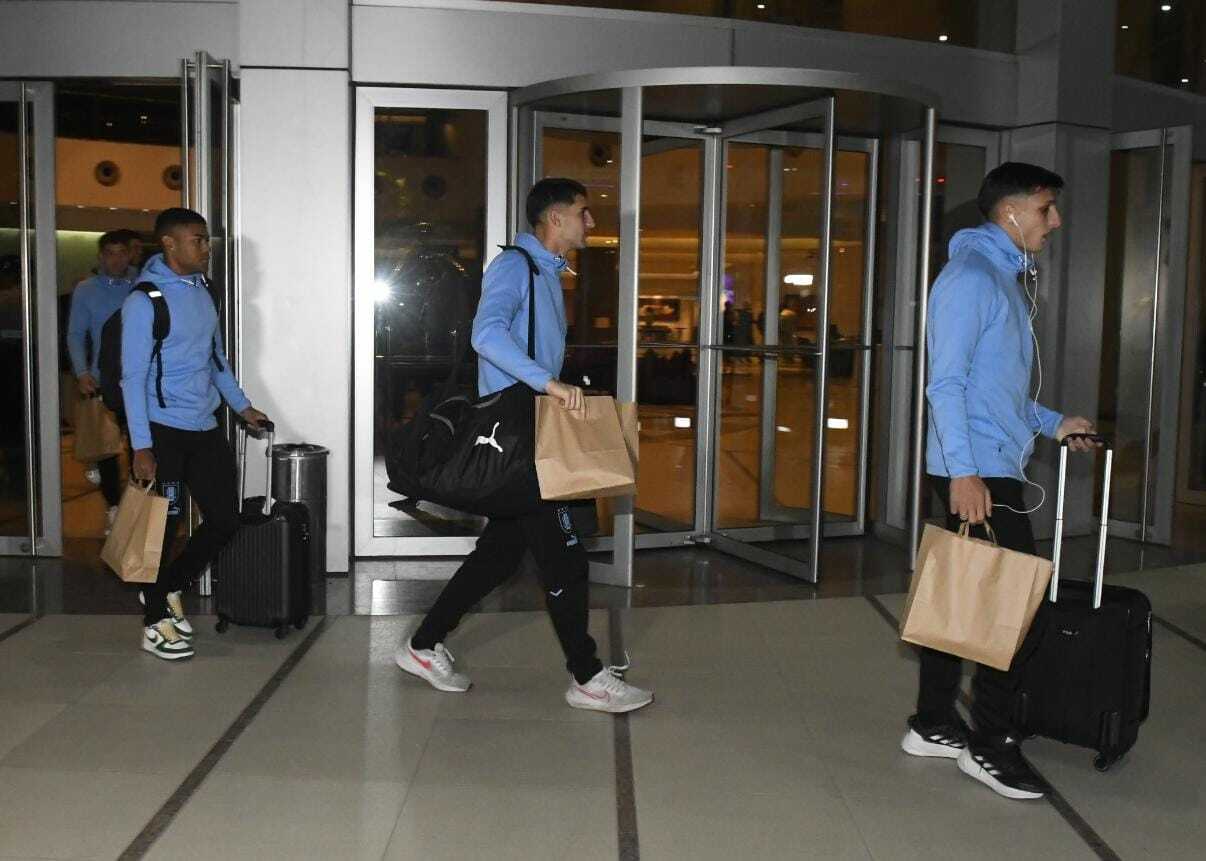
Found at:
[476, 455]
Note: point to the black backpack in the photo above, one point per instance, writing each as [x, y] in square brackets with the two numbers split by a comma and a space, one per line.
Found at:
[109, 358]
[476, 455]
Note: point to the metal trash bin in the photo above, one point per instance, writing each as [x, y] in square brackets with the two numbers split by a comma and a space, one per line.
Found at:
[299, 474]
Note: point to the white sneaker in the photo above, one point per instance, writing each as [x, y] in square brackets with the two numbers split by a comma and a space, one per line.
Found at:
[162, 641]
[608, 692]
[110, 519]
[434, 666]
[93, 475]
[175, 602]
[175, 606]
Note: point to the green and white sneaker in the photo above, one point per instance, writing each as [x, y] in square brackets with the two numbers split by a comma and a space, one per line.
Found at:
[175, 603]
[162, 641]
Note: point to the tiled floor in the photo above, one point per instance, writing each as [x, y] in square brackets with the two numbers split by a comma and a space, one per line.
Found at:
[774, 735]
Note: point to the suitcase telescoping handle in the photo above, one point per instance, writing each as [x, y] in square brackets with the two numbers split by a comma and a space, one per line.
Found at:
[1099, 577]
[265, 428]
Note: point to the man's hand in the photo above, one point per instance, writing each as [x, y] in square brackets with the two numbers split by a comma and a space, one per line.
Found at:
[568, 396]
[970, 499]
[88, 385]
[1077, 424]
[254, 417]
[143, 465]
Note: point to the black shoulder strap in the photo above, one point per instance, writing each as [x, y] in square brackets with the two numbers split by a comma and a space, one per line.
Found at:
[533, 271]
[213, 342]
[161, 327]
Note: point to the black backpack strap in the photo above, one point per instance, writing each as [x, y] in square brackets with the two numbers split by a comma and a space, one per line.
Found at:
[161, 327]
[533, 271]
[213, 342]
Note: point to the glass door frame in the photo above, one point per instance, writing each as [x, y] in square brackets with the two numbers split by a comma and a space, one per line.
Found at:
[742, 542]
[366, 101]
[40, 338]
[1159, 483]
[1195, 285]
[767, 506]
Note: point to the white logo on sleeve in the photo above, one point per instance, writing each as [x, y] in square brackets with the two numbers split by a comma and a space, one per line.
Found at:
[490, 440]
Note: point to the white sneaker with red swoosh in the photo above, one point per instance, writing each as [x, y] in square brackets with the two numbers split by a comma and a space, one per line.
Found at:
[434, 666]
[608, 692]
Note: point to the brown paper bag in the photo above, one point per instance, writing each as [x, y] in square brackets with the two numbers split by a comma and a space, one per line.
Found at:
[134, 547]
[583, 454]
[971, 598]
[97, 435]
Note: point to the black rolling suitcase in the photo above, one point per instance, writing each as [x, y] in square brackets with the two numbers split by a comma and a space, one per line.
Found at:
[262, 577]
[1088, 682]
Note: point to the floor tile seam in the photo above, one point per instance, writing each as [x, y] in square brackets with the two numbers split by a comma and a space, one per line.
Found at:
[410, 787]
[166, 814]
[1054, 798]
[1172, 628]
[18, 627]
[628, 842]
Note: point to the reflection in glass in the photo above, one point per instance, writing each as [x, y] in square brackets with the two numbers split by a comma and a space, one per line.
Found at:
[14, 498]
[1126, 343]
[429, 235]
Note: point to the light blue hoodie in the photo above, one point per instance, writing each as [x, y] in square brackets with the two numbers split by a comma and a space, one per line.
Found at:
[193, 385]
[93, 302]
[980, 353]
[500, 328]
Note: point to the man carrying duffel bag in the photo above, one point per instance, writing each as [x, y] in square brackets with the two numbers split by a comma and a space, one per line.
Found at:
[557, 210]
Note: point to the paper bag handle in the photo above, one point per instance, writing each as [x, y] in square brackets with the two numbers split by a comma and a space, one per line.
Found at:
[965, 530]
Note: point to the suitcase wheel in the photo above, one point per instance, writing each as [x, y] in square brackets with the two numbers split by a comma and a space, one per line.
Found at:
[282, 631]
[223, 624]
[301, 623]
[1102, 763]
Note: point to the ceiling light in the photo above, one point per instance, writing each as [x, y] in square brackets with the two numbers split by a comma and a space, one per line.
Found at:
[838, 424]
[1126, 26]
[798, 279]
[1185, 80]
[944, 38]
[761, 5]
[1167, 7]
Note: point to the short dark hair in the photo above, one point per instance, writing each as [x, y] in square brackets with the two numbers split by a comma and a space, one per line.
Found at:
[113, 237]
[550, 192]
[1013, 178]
[177, 216]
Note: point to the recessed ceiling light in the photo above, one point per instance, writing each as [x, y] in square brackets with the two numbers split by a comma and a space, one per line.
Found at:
[1185, 80]
[761, 5]
[944, 38]
[1126, 26]
[1167, 7]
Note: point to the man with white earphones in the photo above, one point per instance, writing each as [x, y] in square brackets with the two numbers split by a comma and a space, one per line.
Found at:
[984, 419]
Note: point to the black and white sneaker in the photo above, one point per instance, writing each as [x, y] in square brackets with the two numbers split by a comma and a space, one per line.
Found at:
[946, 740]
[1001, 767]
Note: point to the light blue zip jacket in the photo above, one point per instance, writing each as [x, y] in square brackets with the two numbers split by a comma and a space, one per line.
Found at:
[500, 328]
[193, 386]
[980, 357]
[93, 302]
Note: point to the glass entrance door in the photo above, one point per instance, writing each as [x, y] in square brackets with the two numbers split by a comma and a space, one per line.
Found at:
[1142, 326]
[30, 503]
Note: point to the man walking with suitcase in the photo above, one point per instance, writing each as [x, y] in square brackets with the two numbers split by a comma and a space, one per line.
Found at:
[983, 423]
[171, 390]
[557, 210]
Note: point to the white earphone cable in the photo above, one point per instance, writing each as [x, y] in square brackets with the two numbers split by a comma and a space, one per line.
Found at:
[1030, 271]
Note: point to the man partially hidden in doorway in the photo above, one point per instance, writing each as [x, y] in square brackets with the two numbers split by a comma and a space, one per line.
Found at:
[557, 210]
[983, 423]
[173, 429]
[93, 302]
